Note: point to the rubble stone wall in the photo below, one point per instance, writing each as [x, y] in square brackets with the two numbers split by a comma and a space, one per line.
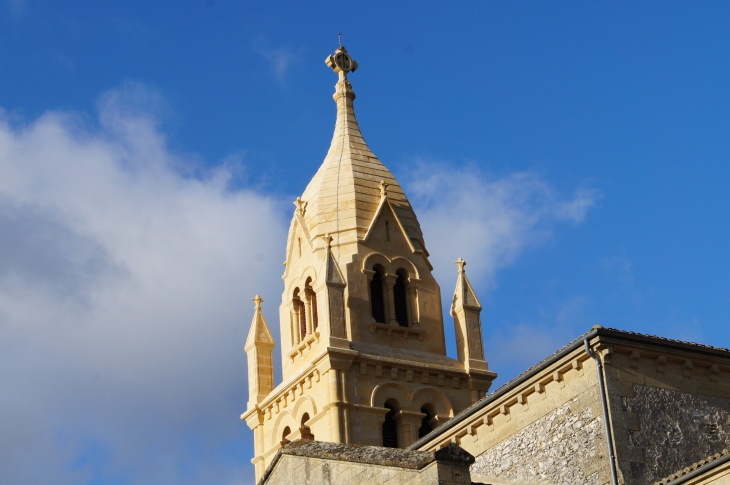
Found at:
[552, 450]
[672, 429]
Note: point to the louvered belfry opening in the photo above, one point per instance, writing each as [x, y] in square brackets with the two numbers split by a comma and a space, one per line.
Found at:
[390, 428]
[377, 303]
[426, 427]
[399, 299]
[303, 319]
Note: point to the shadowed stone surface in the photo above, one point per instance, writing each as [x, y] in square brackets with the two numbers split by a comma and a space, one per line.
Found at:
[454, 452]
[676, 429]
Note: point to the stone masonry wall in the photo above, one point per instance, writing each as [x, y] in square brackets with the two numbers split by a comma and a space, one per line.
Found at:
[672, 429]
[552, 450]
[301, 470]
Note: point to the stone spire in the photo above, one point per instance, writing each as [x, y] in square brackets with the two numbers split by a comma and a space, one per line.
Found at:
[466, 309]
[344, 195]
[259, 347]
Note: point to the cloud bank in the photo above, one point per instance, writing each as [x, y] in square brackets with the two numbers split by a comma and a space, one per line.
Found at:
[125, 297]
[126, 273]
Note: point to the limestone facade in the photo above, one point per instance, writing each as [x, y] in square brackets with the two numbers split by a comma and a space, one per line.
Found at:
[361, 326]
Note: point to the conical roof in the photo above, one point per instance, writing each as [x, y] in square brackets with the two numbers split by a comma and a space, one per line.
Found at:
[259, 334]
[343, 196]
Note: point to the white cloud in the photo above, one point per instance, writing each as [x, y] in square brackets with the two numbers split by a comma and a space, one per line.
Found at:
[125, 288]
[485, 219]
[126, 273]
[280, 58]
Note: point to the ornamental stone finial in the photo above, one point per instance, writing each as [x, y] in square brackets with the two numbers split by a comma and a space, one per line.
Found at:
[341, 62]
[328, 240]
[461, 263]
[301, 205]
[258, 300]
[383, 186]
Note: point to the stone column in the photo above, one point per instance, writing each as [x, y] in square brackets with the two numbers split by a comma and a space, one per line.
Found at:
[388, 283]
[408, 424]
[308, 296]
[334, 411]
[369, 275]
[411, 299]
[296, 304]
[294, 318]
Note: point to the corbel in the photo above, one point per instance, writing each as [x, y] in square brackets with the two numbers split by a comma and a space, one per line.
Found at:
[363, 368]
[472, 429]
[489, 422]
[424, 377]
[661, 361]
[714, 371]
[687, 368]
[634, 359]
[504, 409]
[577, 366]
[409, 375]
[522, 399]
[558, 377]
[607, 353]
[378, 370]
[394, 373]
[455, 382]
[440, 380]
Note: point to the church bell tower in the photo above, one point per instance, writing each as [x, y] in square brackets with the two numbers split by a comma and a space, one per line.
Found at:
[361, 324]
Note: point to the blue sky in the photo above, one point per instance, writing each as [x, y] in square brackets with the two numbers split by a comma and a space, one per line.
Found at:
[575, 154]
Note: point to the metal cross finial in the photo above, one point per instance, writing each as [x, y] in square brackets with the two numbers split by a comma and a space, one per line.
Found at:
[382, 186]
[258, 301]
[461, 263]
[301, 205]
[339, 38]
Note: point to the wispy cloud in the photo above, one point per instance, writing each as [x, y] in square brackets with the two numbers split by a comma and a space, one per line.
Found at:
[125, 293]
[17, 7]
[488, 220]
[280, 58]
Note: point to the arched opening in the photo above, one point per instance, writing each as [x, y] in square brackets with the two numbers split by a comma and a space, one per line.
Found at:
[304, 430]
[428, 421]
[301, 313]
[399, 298]
[377, 302]
[309, 291]
[390, 426]
[285, 436]
[299, 242]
